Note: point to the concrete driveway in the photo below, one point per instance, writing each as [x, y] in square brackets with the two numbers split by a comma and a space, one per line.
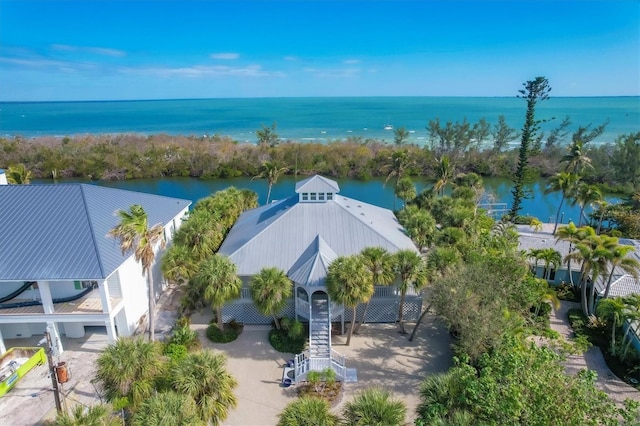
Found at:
[381, 355]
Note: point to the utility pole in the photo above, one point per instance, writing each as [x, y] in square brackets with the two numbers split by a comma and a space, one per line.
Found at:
[52, 371]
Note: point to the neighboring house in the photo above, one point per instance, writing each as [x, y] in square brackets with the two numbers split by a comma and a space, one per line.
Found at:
[59, 268]
[302, 235]
[622, 284]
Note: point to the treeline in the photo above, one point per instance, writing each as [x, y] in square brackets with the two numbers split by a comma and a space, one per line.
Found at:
[132, 156]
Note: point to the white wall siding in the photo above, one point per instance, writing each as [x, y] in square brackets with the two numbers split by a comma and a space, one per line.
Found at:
[113, 282]
[134, 291]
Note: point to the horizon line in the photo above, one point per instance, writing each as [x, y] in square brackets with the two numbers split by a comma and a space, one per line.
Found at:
[303, 97]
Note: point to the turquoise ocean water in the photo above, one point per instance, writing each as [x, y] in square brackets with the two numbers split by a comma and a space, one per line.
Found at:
[306, 119]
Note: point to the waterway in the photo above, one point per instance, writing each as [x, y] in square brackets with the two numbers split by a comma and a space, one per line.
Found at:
[374, 191]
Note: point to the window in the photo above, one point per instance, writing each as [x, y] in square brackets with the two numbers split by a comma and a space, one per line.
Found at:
[329, 195]
[305, 196]
[313, 196]
[321, 196]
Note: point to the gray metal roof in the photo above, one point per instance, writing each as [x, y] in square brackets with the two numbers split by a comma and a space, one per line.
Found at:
[311, 267]
[317, 184]
[59, 232]
[283, 234]
[622, 283]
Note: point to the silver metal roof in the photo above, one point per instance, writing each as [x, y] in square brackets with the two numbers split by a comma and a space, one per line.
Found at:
[59, 232]
[622, 283]
[311, 267]
[317, 184]
[288, 234]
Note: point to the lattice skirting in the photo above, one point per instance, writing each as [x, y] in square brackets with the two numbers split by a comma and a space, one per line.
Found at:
[380, 310]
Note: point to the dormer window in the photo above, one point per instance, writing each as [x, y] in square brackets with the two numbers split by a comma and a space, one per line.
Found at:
[313, 196]
[321, 196]
[329, 196]
[305, 196]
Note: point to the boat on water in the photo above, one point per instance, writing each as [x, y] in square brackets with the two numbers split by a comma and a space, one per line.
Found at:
[388, 127]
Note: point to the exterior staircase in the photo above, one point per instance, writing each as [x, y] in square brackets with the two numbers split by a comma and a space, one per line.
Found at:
[320, 356]
[320, 327]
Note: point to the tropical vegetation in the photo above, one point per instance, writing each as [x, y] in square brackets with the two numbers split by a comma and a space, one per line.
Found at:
[136, 235]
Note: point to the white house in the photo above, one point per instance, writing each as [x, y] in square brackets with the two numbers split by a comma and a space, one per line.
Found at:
[302, 235]
[60, 269]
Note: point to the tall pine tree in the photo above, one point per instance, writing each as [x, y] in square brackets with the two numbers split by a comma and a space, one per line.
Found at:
[534, 91]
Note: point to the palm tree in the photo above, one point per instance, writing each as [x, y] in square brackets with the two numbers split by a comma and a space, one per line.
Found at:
[412, 271]
[570, 233]
[577, 158]
[535, 254]
[617, 258]
[270, 290]
[442, 396]
[177, 264]
[18, 174]
[271, 172]
[419, 225]
[217, 277]
[374, 407]
[588, 250]
[550, 257]
[561, 182]
[445, 171]
[632, 315]
[94, 415]
[612, 309]
[203, 376]
[135, 235]
[128, 369]
[349, 282]
[399, 162]
[585, 194]
[380, 263]
[167, 409]
[307, 411]
[405, 190]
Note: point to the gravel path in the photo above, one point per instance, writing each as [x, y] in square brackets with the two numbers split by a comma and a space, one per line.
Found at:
[592, 359]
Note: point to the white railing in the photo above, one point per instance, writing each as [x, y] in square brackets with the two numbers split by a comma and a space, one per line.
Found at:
[338, 357]
[384, 291]
[303, 308]
[335, 309]
[245, 293]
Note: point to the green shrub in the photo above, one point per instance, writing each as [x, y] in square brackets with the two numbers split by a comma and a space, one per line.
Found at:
[183, 335]
[175, 351]
[282, 342]
[293, 327]
[228, 335]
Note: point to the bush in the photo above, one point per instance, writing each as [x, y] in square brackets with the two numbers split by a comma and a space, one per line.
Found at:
[282, 342]
[565, 291]
[175, 351]
[229, 334]
[183, 335]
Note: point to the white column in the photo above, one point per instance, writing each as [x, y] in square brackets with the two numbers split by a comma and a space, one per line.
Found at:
[45, 297]
[104, 296]
[111, 330]
[3, 348]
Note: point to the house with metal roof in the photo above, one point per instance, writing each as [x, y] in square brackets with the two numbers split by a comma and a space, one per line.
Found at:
[302, 235]
[59, 268]
[622, 284]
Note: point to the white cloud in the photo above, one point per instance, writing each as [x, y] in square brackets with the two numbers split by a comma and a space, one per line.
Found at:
[351, 61]
[102, 51]
[290, 58]
[225, 55]
[333, 72]
[199, 71]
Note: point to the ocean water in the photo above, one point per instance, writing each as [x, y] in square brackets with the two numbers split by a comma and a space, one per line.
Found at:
[307, 119]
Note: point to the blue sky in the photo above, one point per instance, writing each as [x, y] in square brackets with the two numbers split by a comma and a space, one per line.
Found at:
[116, 49]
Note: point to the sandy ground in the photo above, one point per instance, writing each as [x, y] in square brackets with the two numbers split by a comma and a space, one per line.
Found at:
[381, 355]
[31, 401]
